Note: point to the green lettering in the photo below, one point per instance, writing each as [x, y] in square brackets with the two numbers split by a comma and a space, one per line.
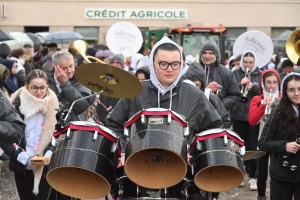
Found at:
[97, 13]
[104, 13]
[123, 13]
[133, 14]
[175, 16]
[112, 13]
[149, 14]
[182, 14]
[141, 14]
[158, 14]
[168, 14]
[87, 13]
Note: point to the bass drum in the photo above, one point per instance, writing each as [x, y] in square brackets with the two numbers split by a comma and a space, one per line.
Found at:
[83, 162]
[156, 148]
[217, 160]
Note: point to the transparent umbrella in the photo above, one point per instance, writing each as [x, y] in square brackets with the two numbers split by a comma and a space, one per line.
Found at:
[4, 36]
[63, 37]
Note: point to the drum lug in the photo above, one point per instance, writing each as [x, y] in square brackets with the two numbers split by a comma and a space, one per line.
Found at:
[192, 169]
[169, 119]
[187, 131]
[143, 119]
[53, 142]
[113, 147]
[126, 132]
[199, 146]
[242, 151]
[68, 133]
[95, 136]
[225, 140]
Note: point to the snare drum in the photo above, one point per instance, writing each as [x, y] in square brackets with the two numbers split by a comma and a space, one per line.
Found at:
[156, 148]
[83, 162]
[217, 160]
[126, 189]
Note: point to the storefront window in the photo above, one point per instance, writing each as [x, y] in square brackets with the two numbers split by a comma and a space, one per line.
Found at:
[232, 35]
[279, 37]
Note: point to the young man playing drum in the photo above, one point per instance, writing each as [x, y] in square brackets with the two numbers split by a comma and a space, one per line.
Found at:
[165, 90]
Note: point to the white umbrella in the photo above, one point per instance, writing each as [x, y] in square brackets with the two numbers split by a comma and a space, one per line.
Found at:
[63, 37]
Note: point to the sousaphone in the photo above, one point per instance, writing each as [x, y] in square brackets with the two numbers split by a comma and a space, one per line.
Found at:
[292, 46]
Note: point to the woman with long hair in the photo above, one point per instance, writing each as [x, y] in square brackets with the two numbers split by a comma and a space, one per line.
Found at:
[280, 138]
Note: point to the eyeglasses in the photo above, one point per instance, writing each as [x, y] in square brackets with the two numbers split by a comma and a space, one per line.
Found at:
[164, 65]
[293, 91]
[35, 88]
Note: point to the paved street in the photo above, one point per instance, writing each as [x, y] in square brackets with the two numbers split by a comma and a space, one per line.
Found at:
[8, 190]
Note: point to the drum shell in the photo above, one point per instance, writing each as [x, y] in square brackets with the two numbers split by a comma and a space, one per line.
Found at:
[156, 136]
[215, 149]
[82, 152]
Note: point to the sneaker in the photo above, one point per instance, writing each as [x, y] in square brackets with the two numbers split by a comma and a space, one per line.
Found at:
[252, 185]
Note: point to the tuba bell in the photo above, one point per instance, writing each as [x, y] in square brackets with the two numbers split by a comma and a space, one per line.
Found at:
[79, 47]
[292, 46]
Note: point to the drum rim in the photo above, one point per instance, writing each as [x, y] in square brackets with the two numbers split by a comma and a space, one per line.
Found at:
[213, 131]
[85, 123]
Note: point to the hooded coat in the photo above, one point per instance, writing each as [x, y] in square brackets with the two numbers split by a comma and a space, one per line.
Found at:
[180, 97]
[12, 83]
[230, 94]
[196, 73]
[241, 110]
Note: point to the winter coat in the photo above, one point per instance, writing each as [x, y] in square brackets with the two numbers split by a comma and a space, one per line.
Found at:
[276, 147]
[12, 126]
[230, 93]
[187, 100]
[196, 73]
[71, 91]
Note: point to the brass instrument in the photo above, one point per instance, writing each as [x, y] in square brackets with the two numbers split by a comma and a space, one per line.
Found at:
[292, 46]
[244, 90]
[268, 109]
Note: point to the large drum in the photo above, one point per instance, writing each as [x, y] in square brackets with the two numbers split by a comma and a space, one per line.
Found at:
[83, 162]
[124, 188]
[217, 160]
[156, 148]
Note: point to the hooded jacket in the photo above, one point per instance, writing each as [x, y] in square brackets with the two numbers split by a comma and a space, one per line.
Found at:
[272, 141]
[71, 91]
[241, 110]
[196, 73]
[180, 97]
[229, 94]
[12, 83]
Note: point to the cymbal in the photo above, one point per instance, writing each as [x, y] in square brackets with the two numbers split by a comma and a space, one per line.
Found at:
[249, 155]
[120, 83]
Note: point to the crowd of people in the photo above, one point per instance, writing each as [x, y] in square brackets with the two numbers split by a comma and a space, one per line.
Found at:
[35, 82]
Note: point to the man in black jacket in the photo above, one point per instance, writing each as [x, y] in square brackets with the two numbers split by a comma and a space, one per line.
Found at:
[217, 77]
[62, 81]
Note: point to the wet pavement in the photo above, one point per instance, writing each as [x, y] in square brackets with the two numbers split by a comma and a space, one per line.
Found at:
[8, 189]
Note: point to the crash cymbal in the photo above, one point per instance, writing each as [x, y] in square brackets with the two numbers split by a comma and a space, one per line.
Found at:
[120, 84]
[253, 154]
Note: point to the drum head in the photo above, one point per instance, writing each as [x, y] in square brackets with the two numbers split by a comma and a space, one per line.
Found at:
[78, 182]
[155, 168]
[219, 178]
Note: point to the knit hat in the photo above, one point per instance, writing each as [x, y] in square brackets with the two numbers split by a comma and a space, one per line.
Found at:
[118, 57]
[287, 63]
[37, 55]
[4, 50]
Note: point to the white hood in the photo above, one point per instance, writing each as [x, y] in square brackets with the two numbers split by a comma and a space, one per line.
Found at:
[255, 61]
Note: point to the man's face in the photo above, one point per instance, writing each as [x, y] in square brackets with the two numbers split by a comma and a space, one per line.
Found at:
[169, 75]
[116, 63]
[288, 69]
[67, 65]
[208, 57]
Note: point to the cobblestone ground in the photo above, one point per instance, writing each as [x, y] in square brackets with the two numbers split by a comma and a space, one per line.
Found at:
[8, 189]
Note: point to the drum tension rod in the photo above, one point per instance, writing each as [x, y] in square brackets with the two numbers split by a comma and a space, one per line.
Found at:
[169, 119]
[143, 119]
[95, 136]
[225, 140]
[68, 133]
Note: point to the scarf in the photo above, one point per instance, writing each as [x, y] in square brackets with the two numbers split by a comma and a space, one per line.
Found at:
[30, 106]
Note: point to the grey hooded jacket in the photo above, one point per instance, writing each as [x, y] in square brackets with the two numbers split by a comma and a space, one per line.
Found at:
[229, 94]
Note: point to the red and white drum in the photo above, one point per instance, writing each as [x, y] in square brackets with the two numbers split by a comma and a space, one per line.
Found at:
[217, 160]
[156, 148]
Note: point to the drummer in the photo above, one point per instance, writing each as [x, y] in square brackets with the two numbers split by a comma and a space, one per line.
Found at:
[165, 90]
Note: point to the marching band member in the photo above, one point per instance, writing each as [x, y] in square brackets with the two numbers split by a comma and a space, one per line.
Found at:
[280, 138]
[258, 112]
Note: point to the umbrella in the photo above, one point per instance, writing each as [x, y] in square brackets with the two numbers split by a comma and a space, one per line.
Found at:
[4, 36]
[36, 41]
[63, 37]
[101, 47]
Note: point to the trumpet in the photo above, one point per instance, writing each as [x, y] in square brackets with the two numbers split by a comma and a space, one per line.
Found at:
[244, 90]
[268, 108]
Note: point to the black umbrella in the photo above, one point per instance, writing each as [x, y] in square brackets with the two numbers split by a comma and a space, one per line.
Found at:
[101, 47]
[4, 36]
[36, 41]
